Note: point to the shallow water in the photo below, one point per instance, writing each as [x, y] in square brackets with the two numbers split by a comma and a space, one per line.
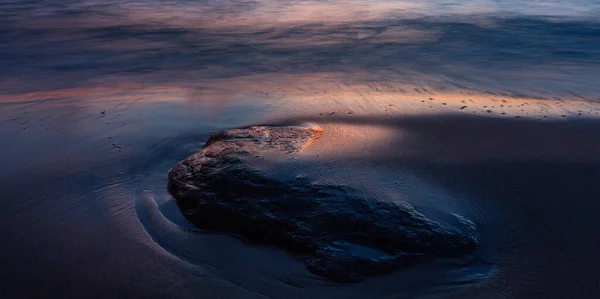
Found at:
[486, 109]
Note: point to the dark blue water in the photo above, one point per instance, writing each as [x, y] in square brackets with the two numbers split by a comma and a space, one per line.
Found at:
[534, 47]
[98, 99]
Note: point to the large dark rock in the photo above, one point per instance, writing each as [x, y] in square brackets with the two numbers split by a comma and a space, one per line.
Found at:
[340, 233]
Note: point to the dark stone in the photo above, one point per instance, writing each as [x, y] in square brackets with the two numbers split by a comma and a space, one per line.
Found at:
[339, 232]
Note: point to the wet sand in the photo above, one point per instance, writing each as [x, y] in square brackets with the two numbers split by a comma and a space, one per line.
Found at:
[74, 202]
[488, 109]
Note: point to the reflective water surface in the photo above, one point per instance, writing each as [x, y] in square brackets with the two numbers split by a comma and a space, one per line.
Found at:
[488, 109]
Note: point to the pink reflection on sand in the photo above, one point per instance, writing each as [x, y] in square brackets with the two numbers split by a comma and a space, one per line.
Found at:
[294, 95]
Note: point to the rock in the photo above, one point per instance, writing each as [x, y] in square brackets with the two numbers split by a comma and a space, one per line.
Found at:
[339, 232]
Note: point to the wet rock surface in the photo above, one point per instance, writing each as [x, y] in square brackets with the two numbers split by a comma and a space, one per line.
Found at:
[339, 233]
